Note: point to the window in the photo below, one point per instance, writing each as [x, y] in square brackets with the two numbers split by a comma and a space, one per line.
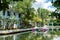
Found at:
[19, 15]
[3, 13]
[14, 14]
[8, 13]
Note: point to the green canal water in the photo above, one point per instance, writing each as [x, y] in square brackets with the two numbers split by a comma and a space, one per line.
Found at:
[30, 36]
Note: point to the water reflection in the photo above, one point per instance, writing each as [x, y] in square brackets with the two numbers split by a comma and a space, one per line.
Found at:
[56, 37]
[29, 36]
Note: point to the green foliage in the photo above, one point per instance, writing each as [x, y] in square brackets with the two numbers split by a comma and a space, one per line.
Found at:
[56, 3]
[58, 20]
[56, 14]
[43, 14]
[24, 7]
[5, 4]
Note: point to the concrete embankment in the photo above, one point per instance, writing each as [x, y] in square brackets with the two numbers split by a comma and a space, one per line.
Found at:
[6, 32]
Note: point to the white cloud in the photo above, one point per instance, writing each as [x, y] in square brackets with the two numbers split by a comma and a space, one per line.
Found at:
[40, 0]
[51, 9]
[43, 4]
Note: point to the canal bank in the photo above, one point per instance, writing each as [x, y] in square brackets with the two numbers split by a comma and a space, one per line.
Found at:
[13, 31]
[6, 32]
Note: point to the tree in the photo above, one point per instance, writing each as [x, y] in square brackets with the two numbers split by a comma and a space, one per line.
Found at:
[4, 5]
[57, 11]
[56, 3]
[56, 14]
[43, 14]
[25, 9]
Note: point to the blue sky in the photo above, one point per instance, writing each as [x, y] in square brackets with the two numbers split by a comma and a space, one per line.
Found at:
[46, 4]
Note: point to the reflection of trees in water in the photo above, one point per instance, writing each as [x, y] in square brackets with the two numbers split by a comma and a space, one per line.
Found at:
[6, 38]
[35, 36]
[27, 36]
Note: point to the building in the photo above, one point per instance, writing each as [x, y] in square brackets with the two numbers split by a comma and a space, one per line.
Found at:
[9, 15]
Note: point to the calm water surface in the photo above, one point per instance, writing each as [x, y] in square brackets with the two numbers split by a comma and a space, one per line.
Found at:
[30, 36]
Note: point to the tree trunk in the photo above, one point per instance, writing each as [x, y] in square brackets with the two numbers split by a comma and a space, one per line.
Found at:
[42, 23]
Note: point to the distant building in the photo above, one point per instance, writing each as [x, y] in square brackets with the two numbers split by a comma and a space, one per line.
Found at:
[8, 14]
